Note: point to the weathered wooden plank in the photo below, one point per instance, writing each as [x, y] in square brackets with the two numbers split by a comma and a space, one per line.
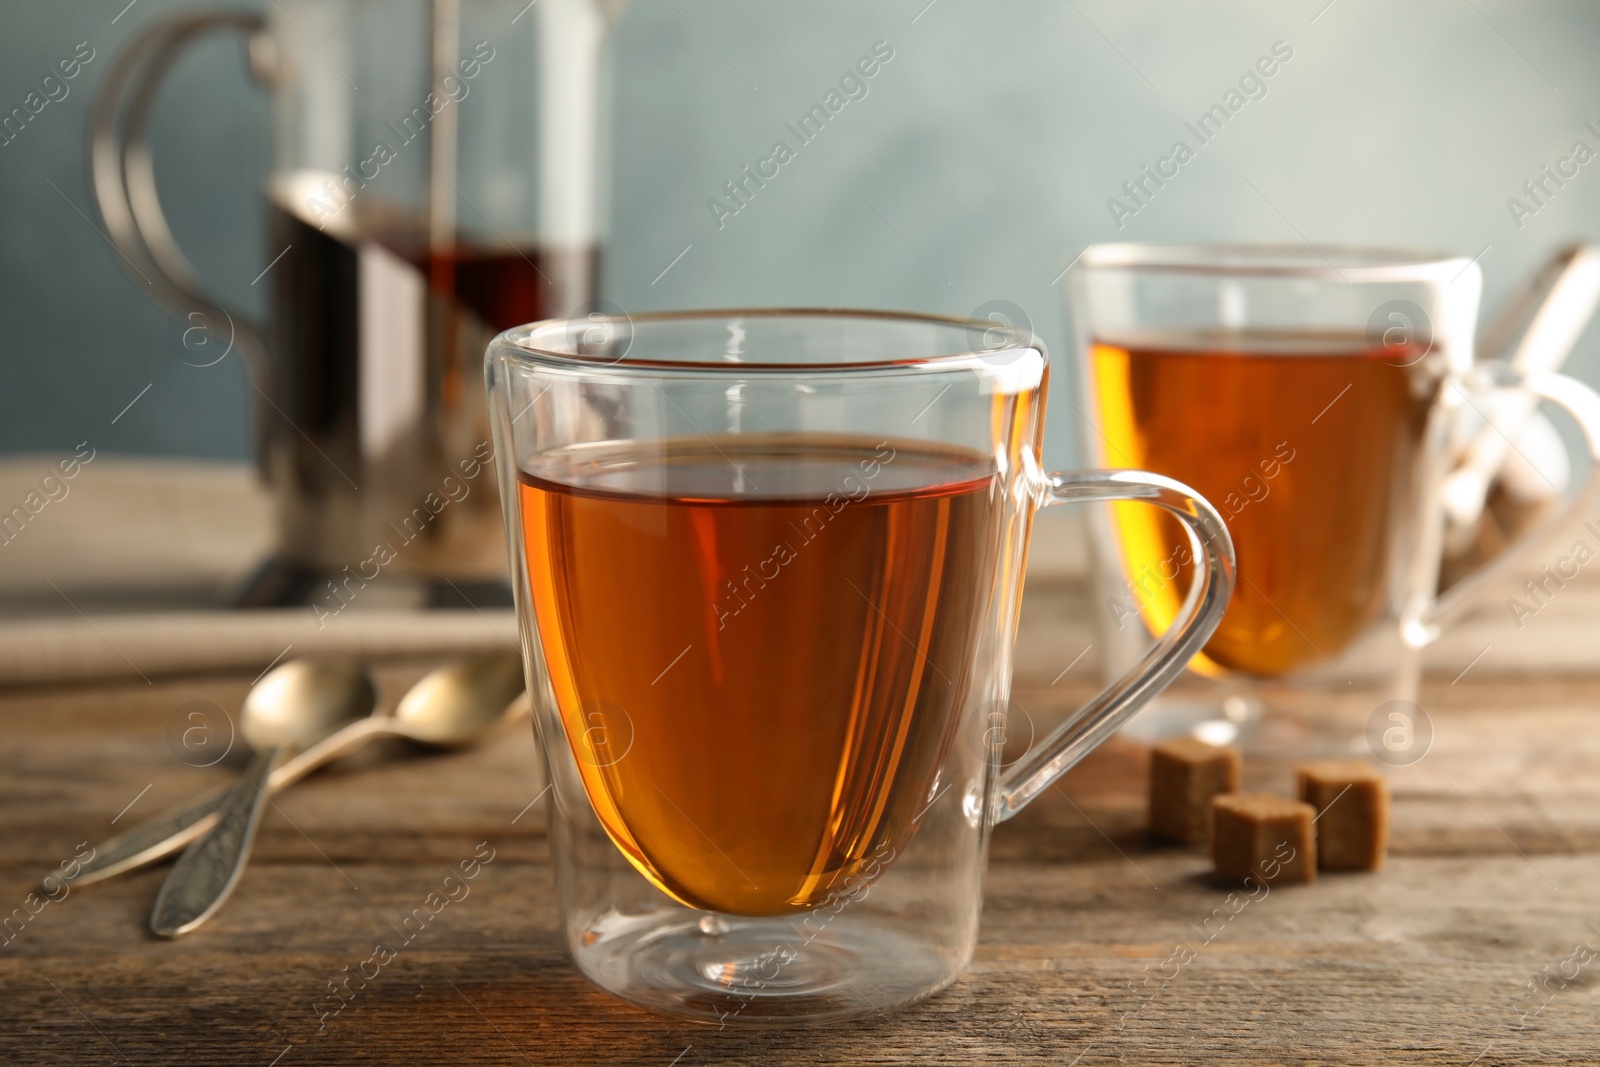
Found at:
[1421, 964]
[1491, 881]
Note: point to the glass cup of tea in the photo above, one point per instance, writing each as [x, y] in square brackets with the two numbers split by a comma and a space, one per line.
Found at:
[768, 566]
[1310, 395]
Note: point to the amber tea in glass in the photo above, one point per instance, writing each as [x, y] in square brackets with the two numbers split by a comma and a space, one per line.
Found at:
[790, 624]
[1307, 444]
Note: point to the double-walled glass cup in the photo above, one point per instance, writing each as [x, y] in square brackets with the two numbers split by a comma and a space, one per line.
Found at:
[768, 566]
[1311, 394]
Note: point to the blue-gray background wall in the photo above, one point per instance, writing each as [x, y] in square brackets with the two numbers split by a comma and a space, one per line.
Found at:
[978, 167]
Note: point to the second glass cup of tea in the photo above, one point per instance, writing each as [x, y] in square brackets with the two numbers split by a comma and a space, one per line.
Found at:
[1309, 394]
[768, 566]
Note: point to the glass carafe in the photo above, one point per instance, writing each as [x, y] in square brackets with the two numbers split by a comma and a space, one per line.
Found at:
[437, 176]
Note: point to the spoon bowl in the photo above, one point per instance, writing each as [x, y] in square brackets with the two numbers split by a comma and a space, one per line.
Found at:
[303, 701]
[453, 705]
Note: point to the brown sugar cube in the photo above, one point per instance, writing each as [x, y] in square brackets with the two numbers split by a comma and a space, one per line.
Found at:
[1261, 836]
[1185, 773]
[1352, 802]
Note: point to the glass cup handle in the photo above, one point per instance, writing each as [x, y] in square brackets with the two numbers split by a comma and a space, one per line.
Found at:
[1197, 619]
[1577, 400]
[124, 177]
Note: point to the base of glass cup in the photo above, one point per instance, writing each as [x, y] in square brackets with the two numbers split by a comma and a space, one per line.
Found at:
[1227, 721]
[732, 970]
[1258, 726]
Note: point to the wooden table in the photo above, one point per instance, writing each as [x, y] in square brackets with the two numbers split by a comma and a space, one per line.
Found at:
[1491, 883]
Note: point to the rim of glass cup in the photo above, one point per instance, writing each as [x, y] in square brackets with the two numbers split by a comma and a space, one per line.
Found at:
[1347, 263]
[1002, 345]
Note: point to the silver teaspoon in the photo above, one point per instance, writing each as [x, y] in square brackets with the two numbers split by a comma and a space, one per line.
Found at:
[450, 707]
[293, 706]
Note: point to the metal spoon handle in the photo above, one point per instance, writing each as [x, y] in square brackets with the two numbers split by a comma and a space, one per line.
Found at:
[181, 824]
[341, 742]
[150, 840]
[209, 868]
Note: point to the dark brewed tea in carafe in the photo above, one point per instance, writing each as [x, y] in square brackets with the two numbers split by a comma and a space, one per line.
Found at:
[378, 339]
